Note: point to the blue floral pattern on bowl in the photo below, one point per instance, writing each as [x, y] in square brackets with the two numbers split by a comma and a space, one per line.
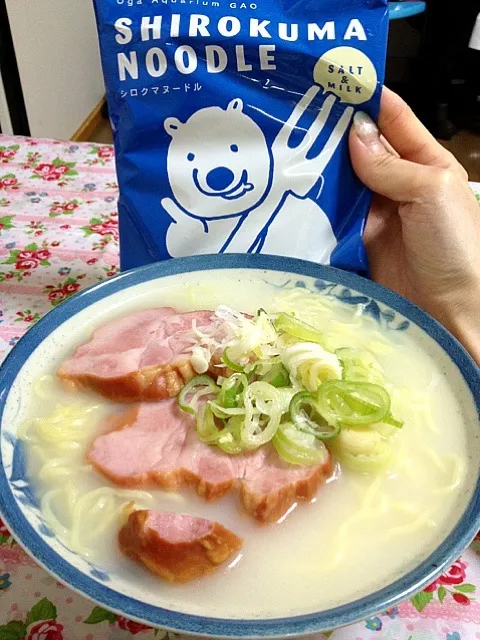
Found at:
[384, 315]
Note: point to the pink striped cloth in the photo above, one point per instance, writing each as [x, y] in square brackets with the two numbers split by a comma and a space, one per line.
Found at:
[58, 234]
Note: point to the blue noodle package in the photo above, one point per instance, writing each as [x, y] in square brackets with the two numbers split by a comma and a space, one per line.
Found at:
[231, 124]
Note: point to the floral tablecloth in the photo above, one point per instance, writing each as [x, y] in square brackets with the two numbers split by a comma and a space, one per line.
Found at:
[58, 234]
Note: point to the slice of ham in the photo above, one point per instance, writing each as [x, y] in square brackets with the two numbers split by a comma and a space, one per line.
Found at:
[144, 356]
[157, 443]
[177, 547]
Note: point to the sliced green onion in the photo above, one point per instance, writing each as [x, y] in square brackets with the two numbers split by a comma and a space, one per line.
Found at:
[232, 390]
[230, 446]
[259, 368]
[311, 364]
[229, 440]
[389, 419]
[234, 366]
[225, 412]
[260, 399]
[366, 462]
[209, 432]
[358, 441]
[299, 448]
[285, 395]
[384, 429]
[207, 429]
[362, 450]
[277, 376]
[352, 403]
[286, 390]
[302, 406]
[364, 407]
[199, 381]
[359, 366]
[297, 328]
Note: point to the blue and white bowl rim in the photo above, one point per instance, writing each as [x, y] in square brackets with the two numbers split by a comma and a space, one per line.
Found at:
[447, 552]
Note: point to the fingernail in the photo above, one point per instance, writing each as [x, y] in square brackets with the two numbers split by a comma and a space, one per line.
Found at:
[367, 131]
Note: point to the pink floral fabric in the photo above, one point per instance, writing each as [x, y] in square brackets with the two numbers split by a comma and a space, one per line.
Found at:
[59, 234]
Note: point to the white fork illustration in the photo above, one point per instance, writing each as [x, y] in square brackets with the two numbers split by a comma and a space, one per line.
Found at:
[293, 172]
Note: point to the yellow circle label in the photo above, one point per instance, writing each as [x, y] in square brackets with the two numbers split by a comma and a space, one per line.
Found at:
[348, 73]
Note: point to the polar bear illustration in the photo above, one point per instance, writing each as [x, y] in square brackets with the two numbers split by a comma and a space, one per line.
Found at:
[232, 193]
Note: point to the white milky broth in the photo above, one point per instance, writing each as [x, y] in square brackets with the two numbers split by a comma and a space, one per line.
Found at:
[360, 532]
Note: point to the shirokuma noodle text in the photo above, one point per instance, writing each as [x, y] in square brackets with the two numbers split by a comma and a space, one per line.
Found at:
[216, 57]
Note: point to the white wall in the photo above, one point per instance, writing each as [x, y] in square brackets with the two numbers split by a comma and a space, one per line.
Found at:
[59, 63]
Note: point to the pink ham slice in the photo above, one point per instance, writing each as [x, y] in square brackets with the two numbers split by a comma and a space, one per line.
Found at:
[141, 357]
[157, 443]
[177, 547]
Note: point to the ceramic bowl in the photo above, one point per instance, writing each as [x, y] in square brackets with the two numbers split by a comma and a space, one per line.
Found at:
[115, 591]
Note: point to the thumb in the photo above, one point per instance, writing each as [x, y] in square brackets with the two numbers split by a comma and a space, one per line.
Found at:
[380, 170]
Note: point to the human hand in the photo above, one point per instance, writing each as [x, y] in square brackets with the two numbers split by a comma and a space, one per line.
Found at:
[423, 231]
